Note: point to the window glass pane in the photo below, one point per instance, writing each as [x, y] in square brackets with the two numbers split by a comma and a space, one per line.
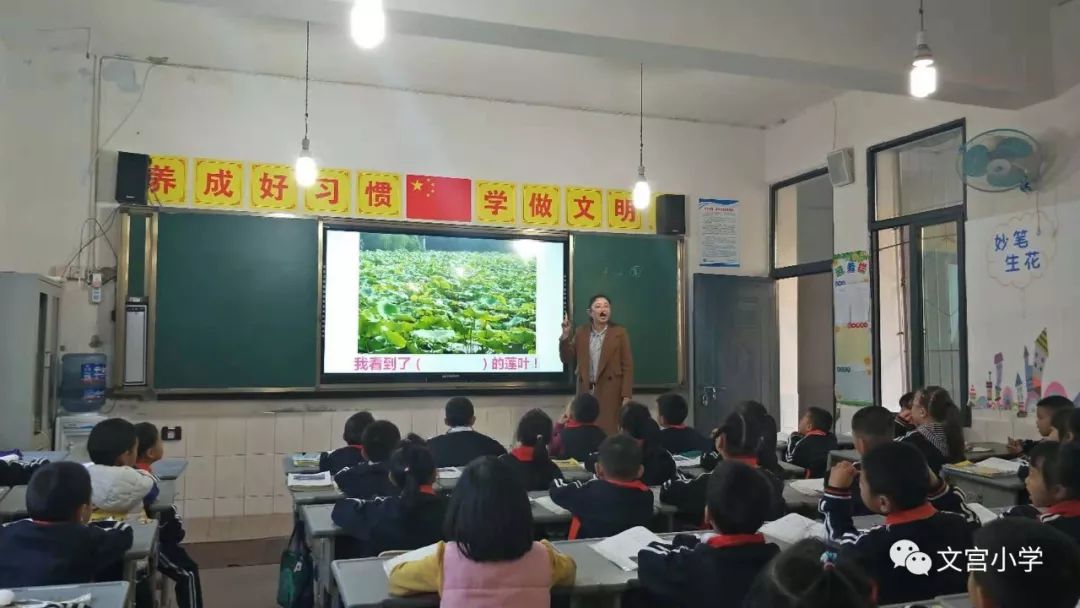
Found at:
[803, 223]
[941, 308]
[918, 176]
[893, 304]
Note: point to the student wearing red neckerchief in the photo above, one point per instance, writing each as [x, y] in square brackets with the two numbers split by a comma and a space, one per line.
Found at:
[809, 447]
[1053, 481]
[530, 459]
[576, 434]
[353, 452]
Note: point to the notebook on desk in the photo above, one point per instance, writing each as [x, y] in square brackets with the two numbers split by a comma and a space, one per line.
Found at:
[622, 549]
[310, 481]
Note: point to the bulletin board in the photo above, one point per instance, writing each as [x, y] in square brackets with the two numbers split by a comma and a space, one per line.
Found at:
[854, 380]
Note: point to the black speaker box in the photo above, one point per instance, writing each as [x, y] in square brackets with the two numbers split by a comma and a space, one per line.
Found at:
[671, 214]
[132, 176]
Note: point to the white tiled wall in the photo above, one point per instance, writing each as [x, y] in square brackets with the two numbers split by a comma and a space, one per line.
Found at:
[235, 462]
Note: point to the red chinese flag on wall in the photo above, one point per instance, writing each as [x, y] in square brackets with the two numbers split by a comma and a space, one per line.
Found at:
[438, 198]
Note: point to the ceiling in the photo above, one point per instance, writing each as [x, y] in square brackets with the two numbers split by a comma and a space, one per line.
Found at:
[719, 61]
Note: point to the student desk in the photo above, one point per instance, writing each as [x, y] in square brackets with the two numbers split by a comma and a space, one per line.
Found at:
[3, 490]
[102, 595]
[797, 502]
[13, 504]
[168, 469]
[143, 547]
[47, 455]
[990, 492]
[836, 456]
[165, 499]
[960, 600]
[792, 471]
[976, 451]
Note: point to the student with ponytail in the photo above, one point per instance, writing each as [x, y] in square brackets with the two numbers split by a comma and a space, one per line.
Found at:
[409, 520]
[939, 430]
[530, 459]
[636, 422]
[811, 575]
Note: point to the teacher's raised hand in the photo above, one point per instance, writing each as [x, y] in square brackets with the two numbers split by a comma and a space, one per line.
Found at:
[565, 327]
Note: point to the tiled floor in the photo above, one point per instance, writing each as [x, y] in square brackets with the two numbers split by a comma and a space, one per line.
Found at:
[241, 527]
[245, 587]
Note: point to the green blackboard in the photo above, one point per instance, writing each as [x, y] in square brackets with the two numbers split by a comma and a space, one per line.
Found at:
[641, 276]
[237, 299]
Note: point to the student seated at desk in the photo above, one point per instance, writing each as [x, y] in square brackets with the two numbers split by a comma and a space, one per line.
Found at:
[576, 434]
[1044, 415]
[939, 433]
[120, 490]
[871, 426]
[1053, 583]
[409, 520]
[738, 440]
[17, 472]
[1060, 426]
[461, 445]
[636, 422]
[809, 447]
[766, 453]
[810, 574]
[353, 452]
[371, 477]
[894, 482]
[1053, 482]
[902, 424]
[675, 436]
[615, 501]
[173, 560]
[530, 459]
[490, 559]
[717, 570]
[55, 546]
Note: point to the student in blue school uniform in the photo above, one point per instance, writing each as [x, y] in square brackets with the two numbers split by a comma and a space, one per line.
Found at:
[1052, 582]
[939, 430]
[809, 447]
[895, 481]
[173, 559]
[371, 478]
[810, 574]
[353, 452]
[675, 436]
[119, 489]
[716, 570]
[1044, 415]
[902, 424]
[636, 422]
[613, 502]
[576, 434]
[409, 520]
[55, 546]
[530, 459]
[1053, 482]
[738, 439]
[766, 452]
[461, 445]
[17, 472]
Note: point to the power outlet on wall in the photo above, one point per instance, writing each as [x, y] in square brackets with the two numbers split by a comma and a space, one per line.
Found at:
[170, 433]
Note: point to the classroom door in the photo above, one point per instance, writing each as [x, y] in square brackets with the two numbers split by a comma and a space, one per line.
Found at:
[735, 346]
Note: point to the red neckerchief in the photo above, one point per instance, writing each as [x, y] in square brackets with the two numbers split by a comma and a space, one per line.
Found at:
[427, 490]
[1065, 508]
[574, 424]
[358, 447]
[815, 433]
[750, 461]
[636, 484]
[575, 528]
[735, 540]
[676, 426]
[38, 522]
[523, 453]
[924, 511]
[143, 466]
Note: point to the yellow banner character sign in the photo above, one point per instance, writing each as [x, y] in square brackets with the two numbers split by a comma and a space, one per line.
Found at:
[496, 202]
[541, 204]
[378, 194]
[167, 183]
[621, 214]
[218, 183]
[331, 193]
[584, 207]
[272, 187]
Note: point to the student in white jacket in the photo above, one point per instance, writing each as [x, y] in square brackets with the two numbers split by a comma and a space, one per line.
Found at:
[119, 490]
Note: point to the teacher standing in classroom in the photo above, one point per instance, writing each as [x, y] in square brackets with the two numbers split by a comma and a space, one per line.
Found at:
[604, 365]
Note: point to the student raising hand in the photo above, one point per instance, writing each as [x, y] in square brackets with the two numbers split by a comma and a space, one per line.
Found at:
[842, 475]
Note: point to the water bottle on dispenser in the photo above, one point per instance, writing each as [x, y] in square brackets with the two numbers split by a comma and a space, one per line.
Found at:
[82, 382]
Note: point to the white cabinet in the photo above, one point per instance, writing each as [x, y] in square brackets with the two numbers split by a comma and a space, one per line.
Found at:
[29, 365]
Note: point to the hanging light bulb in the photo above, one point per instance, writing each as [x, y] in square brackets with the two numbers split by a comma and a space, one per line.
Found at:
[307, 170]
[922, 81]
[642, 192]
[367, 23]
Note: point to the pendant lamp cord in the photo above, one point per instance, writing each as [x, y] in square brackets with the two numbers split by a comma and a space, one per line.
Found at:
[922, 22]
[641, 118]
[307, 76]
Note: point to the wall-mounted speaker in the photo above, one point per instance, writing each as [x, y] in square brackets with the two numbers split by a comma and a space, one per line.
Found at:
[671, 214]
[841, 167]
[132, 178]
